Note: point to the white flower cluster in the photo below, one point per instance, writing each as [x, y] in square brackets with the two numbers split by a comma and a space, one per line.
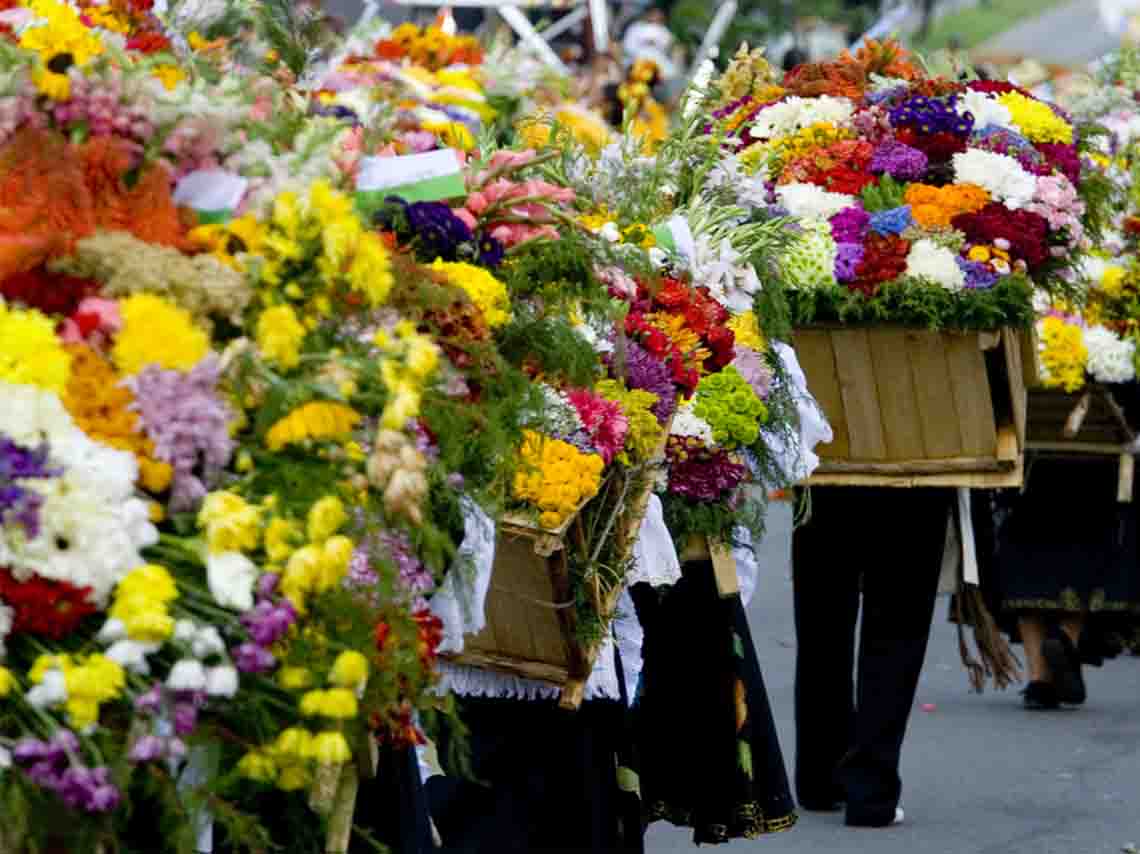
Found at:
[92, 527]
[807, 201]
[1111, 358]
[795, 114]
[718, 268]
[685, 423]
[1000, 175]
[987, 111]
[928, 260]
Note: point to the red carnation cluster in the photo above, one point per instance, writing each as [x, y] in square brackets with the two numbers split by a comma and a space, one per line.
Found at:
[938, 147]
[50, 609]
[997, 87]
[50, 293]
[1026, 232]
[884, 259]
[842, 167]
[148, 43]
[1064, 158]
[705, 316]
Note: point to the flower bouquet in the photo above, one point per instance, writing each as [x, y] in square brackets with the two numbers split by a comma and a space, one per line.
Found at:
[925, 205]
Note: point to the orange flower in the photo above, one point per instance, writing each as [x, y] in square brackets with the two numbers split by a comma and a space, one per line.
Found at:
[935, 207]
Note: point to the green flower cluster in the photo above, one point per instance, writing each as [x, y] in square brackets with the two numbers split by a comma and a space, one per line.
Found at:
[731, 407]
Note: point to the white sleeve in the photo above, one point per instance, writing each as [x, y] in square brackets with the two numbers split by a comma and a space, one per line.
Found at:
[655, 560]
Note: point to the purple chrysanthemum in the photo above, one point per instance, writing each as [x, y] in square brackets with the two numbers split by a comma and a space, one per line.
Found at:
[643, 371]
[979, 277]
[186, 418]
[848, 257]
[899, 161]
[850, 225]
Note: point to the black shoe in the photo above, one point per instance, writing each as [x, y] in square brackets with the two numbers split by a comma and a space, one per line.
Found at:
[829, 800]
[1065, 664]
[1041, 696]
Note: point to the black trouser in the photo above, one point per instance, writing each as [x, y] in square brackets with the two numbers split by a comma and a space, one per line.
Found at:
[888, 543]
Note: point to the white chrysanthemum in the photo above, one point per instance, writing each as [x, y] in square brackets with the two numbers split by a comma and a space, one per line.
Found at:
[231, 576]
[810, 261]
[987, 111]
[928, 260]
[92, 528]
[1092, 268]
[795, 114]
[1000, 175]
[1111, 358]
[807, 201]
[685, 423]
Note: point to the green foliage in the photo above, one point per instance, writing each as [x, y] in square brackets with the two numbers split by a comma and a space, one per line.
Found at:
[551, 346]
[884, 196]
[293, 30]
[918, 304]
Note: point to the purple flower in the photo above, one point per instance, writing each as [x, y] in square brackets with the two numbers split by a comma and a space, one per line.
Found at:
[150, 702]
[267, 584]
[251, 658]
[645, 372]
[893, 221]
[32, 750]
[147, 749]
[20, 506]
[491, 251]
[438, 229]
[850, 225]
[360, 574]
[414, 576]
[88, 789]
[419, 141]
[702, 474]
[899, 161]
[185, 718]
[455, 481]
[847, 260]
[755, 370]
[186, 418]
[267, 623]
[932, 115]
[979, 277]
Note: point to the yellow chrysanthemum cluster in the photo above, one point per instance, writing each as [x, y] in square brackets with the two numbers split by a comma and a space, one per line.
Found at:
[30, 354]
[316, 421]
[644, 435]
[322, 562]
[89, 682]
[157, 332]
[1063, 354]
[279, 336]
[815, 136]
[141, 603]
[556, 477]
[323, 233]
[488, 293]
[231, 523]
[1036, 119]
[408, 363]
[8, 682]
[287, 762]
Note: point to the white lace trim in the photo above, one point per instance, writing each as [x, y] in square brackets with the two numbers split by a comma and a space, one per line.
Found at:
[460, 602]
[655, 559]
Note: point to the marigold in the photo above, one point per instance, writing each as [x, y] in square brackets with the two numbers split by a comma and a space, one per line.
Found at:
[1063, 355]
[156, 332]
[747, 330]
[935, 207]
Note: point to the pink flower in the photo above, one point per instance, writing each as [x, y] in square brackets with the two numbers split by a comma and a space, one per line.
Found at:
[754, 369]
[467, 217]
[602, 419]
[262, 108]
[418, 141]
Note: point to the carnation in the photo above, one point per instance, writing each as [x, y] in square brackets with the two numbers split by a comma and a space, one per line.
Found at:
[928, 260]
[807, 201]
[688, 425]
[1000, 175]
[1111, 358]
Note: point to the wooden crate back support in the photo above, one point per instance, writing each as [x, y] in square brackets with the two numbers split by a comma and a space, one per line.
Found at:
[1049, 411]
[907, 402]
[527, 609]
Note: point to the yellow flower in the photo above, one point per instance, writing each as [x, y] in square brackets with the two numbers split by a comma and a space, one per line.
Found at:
[350, 670]
[231, 523]
[1063, 354]
[317, 421]
[258, 766]
[452, 134]
[1112, 280]
[151, 581]
[279, 336]
[281, 537]
[82, 712]
[296, 742]
[56, 87]
[1036, 120]
[30, 353]
[338, 703]
[331, 748]
[487, 293]
[44, 663]
[225, 241]
[303, 569]
[293, 778]
[8, 682]
[295, 678]
[370, 272]
[747, 331]
[169, 75]
[156, 332]
[336, 555]
[326, 518]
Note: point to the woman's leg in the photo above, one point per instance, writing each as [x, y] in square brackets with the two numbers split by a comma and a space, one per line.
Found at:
[1032, 628]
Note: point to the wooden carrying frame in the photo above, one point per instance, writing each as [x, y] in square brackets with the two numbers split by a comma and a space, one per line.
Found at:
[913, 407]
[1083, 425]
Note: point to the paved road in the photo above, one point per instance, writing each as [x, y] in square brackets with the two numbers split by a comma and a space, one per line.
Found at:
[981, 775]
[1070, 34]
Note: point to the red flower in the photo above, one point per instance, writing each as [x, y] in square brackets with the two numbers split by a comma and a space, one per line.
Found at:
[148, 43]
[50, 293]
[884, 259]
[380, 635]
[938, 147]
[843, 179]
[722, 341]
[997, 87]
[1027, 232]
[430, 634]
[51, 609]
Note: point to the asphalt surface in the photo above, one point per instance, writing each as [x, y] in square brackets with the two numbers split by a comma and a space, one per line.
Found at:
[980, 774]
[1070, 34]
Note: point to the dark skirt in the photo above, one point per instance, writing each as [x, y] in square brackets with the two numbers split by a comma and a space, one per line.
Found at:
[710, 758]
[1065, 546]
[546, 780]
